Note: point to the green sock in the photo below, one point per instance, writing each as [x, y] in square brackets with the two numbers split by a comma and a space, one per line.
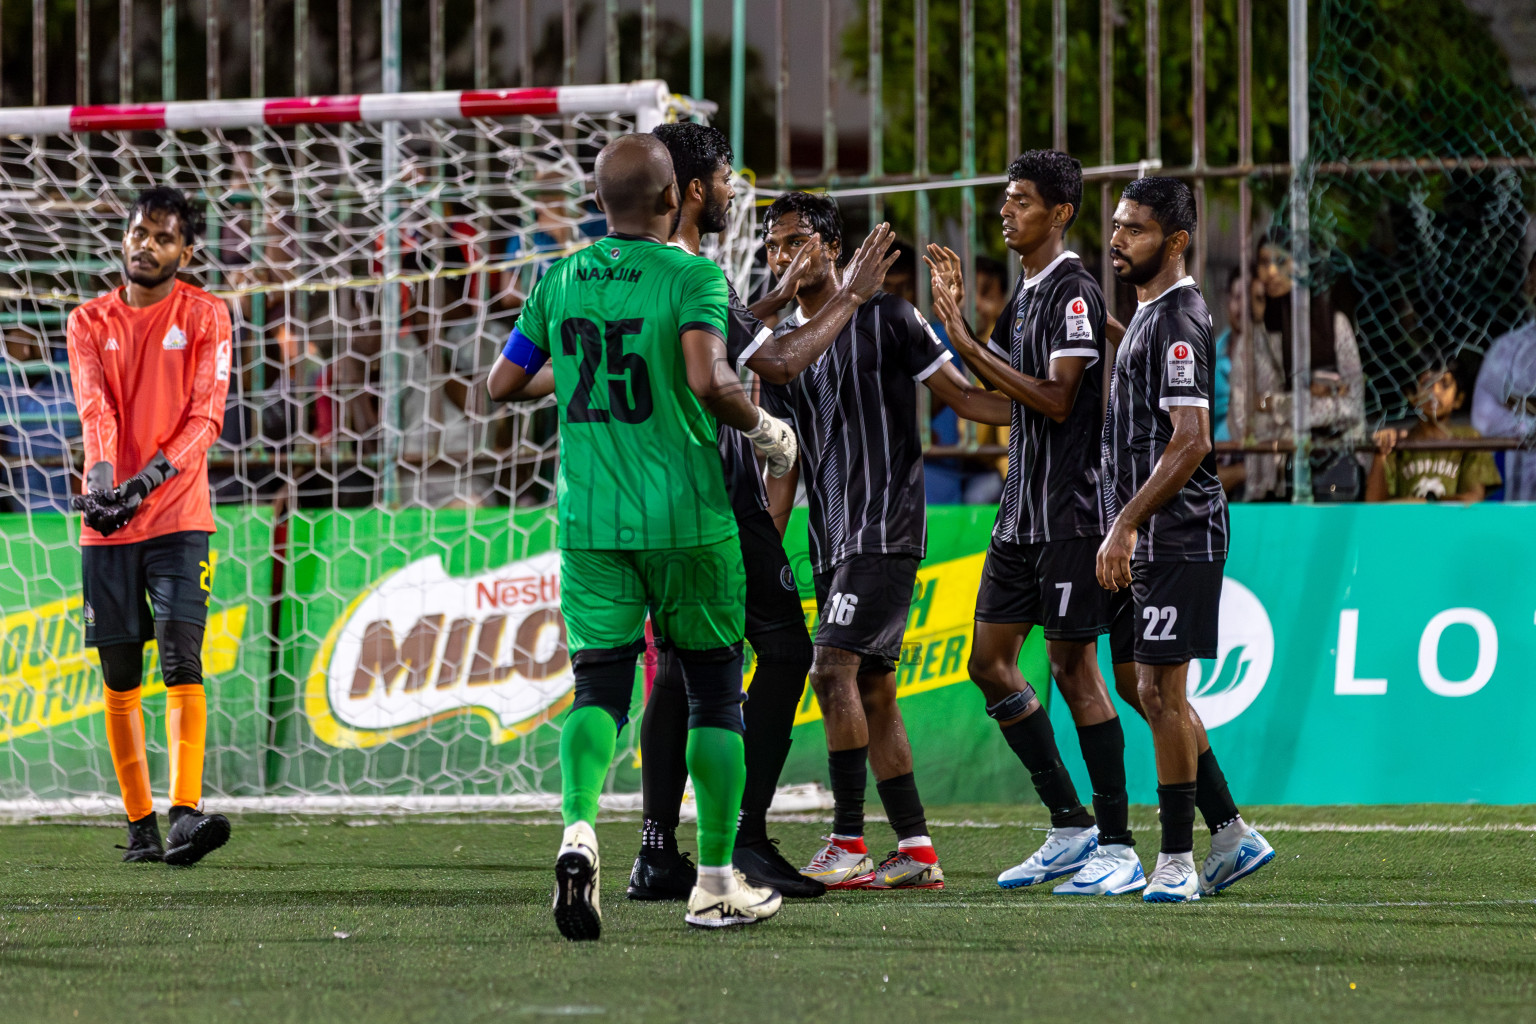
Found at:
[717, 763]
[586, 753]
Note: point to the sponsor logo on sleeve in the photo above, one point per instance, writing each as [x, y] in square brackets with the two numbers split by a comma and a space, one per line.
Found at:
[1078, 327]
[1181, 365]
[221, 361]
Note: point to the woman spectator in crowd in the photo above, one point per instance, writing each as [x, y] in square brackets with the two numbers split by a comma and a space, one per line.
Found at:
[1504, 399]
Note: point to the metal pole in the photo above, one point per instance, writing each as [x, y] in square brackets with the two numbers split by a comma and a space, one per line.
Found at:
[83, 49]
[696, 49]
[648, 40]
[1106, 153]
[167, 49]
[1301, 296]
[482, 51]
[876, 103]
[924, 225]
[1154, 83]
[1015, 79]
[301, 47]
[211, 43]
[39, 53]
[344, 46]
[1245, 207]
[829, 94]
[738, 78]
[1197, 155]
[435, 61]
[1059, 74]
[781, 98]
[390, 291]
[968, 150]
[524, 42]
[610, 41]
[125, 51]
[568, 42]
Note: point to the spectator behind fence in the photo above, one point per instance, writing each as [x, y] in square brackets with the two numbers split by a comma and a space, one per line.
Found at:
[1438, 475]
[1504, 399]
[1337, 388]
[1227, 413]
[37, 422]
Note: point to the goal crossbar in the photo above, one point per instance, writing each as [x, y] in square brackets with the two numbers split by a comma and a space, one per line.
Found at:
[649, 100]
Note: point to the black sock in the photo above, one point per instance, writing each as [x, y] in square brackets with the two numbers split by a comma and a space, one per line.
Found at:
[664, 743]
[1032, 738]
[1212, 795]
[1176, 808]
[656, 835]
[903, 809]
[1103, 748]
[783, 661]
[849, 774]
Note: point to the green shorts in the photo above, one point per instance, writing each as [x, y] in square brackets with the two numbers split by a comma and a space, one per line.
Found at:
[696, 597]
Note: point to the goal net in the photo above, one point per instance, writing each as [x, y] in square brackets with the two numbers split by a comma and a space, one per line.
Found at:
[384, 621]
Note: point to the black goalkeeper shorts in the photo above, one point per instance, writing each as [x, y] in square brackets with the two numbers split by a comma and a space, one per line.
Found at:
[128, 586]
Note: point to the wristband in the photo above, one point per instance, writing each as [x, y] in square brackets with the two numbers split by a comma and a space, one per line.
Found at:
[523, 352]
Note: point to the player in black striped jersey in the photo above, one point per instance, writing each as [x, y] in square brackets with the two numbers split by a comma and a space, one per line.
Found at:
[856, 412]
[1045, 354]
[1167, 543]
[775, 624]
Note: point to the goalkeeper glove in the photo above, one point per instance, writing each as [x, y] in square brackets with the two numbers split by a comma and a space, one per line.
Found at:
[775, 441]
[107, 511]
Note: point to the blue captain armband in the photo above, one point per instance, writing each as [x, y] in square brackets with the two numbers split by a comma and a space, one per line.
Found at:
[523, 352]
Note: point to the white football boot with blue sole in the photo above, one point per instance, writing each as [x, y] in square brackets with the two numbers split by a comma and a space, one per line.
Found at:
[1064, 853]
[1225, 866]
[1174, 880]
[1112, 871]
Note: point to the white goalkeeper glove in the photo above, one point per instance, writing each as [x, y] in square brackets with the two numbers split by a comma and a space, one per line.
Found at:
[775, 441]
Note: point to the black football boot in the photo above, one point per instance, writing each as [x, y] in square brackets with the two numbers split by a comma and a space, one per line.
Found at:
[194, 835]
[144, 841]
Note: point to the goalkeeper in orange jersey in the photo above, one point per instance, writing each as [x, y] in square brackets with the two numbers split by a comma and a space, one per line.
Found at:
[150, 366]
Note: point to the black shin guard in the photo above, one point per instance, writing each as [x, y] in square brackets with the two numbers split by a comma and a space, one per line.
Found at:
[783, 661]
[1034, 741]
[903, 808]
[605, 678]
[181, 652]
[849, 774]
[713, 681]
[1211, 793]
[1103, 747]
[664, 746]
[122, 666]
[1176, 809]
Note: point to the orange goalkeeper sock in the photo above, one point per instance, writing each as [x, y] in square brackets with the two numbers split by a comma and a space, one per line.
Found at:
[186, 730]
[125, 738]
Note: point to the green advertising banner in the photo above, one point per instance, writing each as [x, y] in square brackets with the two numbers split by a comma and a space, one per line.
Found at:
[52, 737]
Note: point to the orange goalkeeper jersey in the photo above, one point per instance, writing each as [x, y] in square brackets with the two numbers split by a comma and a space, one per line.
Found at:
[146, 380]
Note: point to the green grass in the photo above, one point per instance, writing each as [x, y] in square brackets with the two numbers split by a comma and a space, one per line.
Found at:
[318, 920]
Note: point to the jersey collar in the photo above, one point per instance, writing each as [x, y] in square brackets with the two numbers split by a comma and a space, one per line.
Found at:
[1184, 282]
[1027, 283]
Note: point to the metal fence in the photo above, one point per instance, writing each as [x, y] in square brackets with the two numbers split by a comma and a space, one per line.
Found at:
[1167, 52]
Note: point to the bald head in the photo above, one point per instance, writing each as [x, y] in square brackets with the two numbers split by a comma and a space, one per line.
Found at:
[635, 184]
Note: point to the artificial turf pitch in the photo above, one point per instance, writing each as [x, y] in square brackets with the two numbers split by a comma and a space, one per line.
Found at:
[309, 920]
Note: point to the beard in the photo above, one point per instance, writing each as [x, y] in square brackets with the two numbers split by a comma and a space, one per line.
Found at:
[1146, 270]
[149, 278]
[714, 217]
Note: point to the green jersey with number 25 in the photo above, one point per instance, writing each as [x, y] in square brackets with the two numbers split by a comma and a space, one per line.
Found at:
[639, 464]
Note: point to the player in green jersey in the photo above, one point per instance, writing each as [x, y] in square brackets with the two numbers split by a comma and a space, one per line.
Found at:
[634, 330]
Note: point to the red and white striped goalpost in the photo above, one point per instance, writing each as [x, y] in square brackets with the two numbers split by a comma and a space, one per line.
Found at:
[647, 100]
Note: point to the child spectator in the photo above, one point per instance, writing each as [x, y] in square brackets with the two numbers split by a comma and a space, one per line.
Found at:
[1439, 475]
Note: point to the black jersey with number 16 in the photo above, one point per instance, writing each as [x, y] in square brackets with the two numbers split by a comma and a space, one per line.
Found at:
[1165, 361]
[1052, 489]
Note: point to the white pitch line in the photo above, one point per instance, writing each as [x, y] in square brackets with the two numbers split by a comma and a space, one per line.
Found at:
[1112, 904]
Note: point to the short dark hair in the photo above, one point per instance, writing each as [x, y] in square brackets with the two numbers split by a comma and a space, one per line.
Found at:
[986, 266]
[819, 211]
[1437, 366]
[1056, 176]
[1170, 200]
[697, 150]
[163, 199]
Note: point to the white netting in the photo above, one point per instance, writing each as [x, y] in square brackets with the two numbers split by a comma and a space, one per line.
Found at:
[385, 611]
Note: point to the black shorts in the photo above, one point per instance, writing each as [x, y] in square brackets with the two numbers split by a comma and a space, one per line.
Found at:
[1168, 615]
[1053, 585]
[128, 586]
[863, 606]
[773, 599]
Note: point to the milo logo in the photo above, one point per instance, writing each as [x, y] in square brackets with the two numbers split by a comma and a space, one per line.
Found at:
[1223, 689]
[421, 646]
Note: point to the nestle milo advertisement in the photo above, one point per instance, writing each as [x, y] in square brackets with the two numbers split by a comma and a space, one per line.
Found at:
[52, 739]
